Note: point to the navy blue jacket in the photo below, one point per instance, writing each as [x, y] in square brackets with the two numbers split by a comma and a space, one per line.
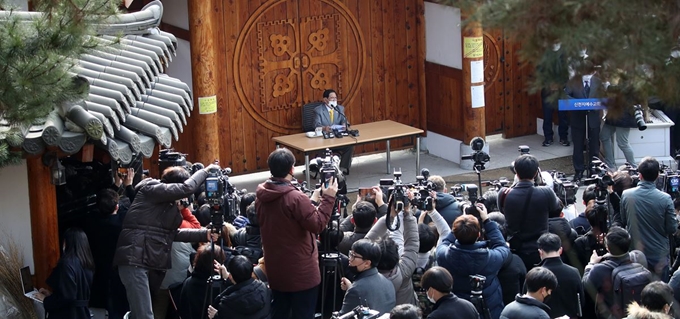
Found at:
[448, 207]
[481, 258]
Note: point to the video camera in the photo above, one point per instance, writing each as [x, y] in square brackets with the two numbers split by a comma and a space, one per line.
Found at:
[360, 312]
[221, 195]
[329, 167]
[563, 187]
[478, 155]
[168, 158]
[600, 177]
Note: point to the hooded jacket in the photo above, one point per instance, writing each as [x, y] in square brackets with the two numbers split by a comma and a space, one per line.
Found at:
[480, 258]
[636, 311]
[152, 224]
[250, 299]
[288, 227]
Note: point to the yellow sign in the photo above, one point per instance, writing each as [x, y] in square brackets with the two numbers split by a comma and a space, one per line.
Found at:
[207, 105]
[473, 48]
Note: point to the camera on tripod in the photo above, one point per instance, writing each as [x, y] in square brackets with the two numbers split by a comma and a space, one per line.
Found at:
[221, 195]
[458, 191]
[476, 290]
[478, 155]
[563, 187]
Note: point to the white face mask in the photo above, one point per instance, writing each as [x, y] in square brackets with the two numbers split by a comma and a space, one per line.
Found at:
[333, 103]
[430, 298]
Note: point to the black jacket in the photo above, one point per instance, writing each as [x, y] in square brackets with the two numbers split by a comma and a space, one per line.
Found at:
[248, 236]
[527, 226]
[568, 297]
[511, 277]
[250, 299]
[580, 224]
[525, 308]
[102, 234]
[71, 290]
[193, 296]
[560, 227]
[451, 306]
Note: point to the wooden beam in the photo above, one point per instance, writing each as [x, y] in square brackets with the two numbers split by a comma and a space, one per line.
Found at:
[474, 123]
[180, 33]
[209, 74]
[44, 222]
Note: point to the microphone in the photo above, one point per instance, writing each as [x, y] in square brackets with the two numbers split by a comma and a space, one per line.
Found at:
[337, 109]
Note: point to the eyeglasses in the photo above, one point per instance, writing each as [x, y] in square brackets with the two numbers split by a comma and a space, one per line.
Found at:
[352, 255]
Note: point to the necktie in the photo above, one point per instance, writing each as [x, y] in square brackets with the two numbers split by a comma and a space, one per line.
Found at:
[331, 112]
[586, 88]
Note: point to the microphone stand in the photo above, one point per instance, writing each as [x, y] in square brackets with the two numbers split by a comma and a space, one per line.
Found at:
[349, 131]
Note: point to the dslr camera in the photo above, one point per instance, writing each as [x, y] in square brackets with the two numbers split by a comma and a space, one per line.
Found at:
[329, 168]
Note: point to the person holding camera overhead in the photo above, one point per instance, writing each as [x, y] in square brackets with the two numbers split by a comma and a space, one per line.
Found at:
[150, 226]
[465, 253]
[289, 223]
[526, 208]
[331, 113]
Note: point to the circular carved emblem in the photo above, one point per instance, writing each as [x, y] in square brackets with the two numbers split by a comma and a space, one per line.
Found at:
[492, 61]
[281, 64]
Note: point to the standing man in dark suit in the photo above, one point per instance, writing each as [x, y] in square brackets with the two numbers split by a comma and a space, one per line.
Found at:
[584, 87]
[567, 298]
[331, 113]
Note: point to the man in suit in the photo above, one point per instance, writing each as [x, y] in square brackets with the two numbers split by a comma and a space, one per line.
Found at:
[567, 297]
[370, 288]
[584, 87]
[331, 113]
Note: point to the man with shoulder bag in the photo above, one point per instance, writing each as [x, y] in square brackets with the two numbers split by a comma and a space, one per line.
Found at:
[526, 208]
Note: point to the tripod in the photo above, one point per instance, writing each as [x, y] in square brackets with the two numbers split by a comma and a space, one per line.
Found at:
[479, 167]
[331, 263]
[476, 297]
[217, 219]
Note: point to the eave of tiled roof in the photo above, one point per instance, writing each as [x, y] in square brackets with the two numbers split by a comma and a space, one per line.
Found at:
[131, 106]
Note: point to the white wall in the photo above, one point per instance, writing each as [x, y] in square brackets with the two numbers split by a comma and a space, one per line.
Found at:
[443, 35]
[15, 211]
[176, 13]
[21, 4]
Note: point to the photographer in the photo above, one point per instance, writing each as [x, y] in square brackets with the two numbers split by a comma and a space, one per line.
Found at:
[526, 208]
[396, 267]
[597, 278]
[593, 239]
[463, 255]
[363, 217]
[288, 227]
[620, 126]
[580, 223]
[540, 284]
[369, 288]
[622, 182]
[447, 205]
[649, 216]
[150, 227]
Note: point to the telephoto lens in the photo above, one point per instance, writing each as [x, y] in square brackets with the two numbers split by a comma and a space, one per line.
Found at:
[640, 118]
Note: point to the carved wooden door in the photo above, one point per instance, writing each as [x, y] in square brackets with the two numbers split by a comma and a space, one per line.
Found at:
[299, 58]
[494, 78]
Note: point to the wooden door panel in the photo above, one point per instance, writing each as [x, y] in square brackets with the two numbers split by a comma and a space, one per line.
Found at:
[494, 71]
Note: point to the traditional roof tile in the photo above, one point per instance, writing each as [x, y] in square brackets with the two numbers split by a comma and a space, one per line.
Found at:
[131, 105]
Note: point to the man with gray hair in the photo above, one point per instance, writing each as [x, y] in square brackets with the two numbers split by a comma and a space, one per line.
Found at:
[446, 204]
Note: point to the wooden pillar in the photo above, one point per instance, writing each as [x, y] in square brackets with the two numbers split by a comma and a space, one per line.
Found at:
[473, 81]
[208, 70]
[44, 223]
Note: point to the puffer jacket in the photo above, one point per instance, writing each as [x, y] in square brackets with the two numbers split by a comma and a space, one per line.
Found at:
[288, 227]
[448, 207]
[400, 276]
[480, 258]
[250, 299]
[153, 221]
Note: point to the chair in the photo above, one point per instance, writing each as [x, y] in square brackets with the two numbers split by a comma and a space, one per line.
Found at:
[308, 116]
